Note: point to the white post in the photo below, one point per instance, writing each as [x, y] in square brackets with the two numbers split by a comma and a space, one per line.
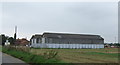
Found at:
[43, 40]
[32, 41]
[35, 41]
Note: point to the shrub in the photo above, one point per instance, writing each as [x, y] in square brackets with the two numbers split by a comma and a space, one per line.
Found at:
[50, 54]
[31, 58]
[18, 48]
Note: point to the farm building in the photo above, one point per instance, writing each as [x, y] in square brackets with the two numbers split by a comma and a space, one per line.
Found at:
[22, 42]
[64, 40]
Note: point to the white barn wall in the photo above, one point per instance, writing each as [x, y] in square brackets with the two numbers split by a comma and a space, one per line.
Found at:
[34, 40]
[72, 46]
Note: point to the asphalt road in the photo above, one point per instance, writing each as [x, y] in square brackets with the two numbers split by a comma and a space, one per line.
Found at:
[9, 60]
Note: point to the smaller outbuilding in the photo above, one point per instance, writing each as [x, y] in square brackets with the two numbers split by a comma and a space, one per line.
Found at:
[7, 43]
[22, 42]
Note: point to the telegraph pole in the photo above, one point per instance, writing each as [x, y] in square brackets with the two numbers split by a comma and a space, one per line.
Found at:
[15, 34]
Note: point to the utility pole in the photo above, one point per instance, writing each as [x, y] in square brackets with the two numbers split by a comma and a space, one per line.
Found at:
[15, 34]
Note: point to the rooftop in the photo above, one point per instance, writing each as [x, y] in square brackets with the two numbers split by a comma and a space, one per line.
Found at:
[67, 35]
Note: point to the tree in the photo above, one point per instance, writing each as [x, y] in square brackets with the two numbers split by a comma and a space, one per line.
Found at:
[4, 38]
[11, 40]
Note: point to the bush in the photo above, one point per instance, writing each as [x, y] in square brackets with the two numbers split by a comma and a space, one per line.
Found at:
[50, 54]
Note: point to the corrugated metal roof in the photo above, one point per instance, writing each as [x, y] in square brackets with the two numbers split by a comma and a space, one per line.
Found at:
[36, 36]
[67, 35]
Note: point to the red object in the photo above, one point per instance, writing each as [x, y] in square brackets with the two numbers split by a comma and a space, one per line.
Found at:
[22, 42]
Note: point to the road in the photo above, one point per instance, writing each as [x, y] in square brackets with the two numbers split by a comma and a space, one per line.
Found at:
[9, 60]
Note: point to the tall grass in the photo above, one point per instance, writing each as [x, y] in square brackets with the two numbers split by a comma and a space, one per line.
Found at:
[24, 54]
[84, 55]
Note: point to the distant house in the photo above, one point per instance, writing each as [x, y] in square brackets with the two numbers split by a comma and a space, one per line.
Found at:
[22, 42]
[112, 45]
[7, 42]
[64, 40]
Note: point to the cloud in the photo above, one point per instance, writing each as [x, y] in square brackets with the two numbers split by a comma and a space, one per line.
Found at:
[83, 17]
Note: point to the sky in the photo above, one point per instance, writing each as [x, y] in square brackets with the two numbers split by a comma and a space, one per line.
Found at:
[99, 18]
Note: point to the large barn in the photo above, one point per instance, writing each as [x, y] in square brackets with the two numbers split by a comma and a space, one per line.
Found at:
[64, 40]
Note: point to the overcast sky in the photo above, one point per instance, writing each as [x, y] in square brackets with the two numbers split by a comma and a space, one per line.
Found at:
[99, 18]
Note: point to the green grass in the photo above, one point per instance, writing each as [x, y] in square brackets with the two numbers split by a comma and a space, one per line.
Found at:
[84, 55]
[29, 57]
[0, 47]
[106, 55]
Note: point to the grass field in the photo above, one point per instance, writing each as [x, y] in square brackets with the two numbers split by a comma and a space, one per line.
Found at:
[30, 58]
[106, 55]
[0, 47]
